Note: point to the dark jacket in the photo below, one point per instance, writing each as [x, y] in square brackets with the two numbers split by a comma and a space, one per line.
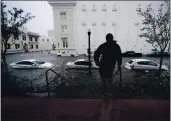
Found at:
[111, 53]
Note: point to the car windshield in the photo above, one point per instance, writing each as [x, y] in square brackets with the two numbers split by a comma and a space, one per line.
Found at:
[38, 62]
[131, 61]
[82, 63]
[130, 52]
[25, 63]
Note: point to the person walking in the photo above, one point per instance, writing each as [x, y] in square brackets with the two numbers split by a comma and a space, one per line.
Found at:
[110, 53]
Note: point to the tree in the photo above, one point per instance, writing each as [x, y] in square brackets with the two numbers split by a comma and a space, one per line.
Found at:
[11, 21]
[156, 28]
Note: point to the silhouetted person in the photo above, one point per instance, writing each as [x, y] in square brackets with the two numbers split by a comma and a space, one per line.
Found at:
[110, 53]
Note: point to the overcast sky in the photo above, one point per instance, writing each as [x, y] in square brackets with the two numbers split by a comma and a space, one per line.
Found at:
[42, 11]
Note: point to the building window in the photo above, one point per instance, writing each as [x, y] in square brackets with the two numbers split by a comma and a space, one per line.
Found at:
[36, 39]
[138, 9]
[63, 16]
[113, 24]
[63, 28]
[65, 42]
[83, 8]
[93, 24]
[149, 8]
[17, 46]
[8, 46]
[83, 24]
[114, 8]
[37, 46]
[31, 46]
[104, 8]
[47, 40]
[103, 24]
[23, 36]
[136, 23]
[43, 40]
[94, 8]
[30, 38]
[16, 37]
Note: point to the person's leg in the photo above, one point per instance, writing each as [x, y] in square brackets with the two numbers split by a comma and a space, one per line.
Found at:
[110, 80]
[104, 86]
[106, 77]
[110, 86]
[107, 87]
[103, 82]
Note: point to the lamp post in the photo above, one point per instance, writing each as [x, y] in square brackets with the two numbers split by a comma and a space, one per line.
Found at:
[89, 51]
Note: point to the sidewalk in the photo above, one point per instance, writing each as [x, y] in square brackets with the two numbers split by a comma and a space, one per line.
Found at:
[41, 109]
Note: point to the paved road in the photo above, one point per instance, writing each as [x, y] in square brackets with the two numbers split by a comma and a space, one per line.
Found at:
[38, 76]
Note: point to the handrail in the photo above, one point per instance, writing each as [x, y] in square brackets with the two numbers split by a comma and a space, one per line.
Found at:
[47, 81]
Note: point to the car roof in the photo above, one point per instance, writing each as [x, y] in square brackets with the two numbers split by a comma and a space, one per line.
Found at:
[80, 60]
[130, 51]
[31, 60]
[137, 60]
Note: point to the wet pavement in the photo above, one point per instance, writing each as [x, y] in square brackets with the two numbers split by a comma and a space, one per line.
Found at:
[38, 109]
[38, 75]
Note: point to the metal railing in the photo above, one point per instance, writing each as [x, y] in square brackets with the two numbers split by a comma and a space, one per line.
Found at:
[48, 83]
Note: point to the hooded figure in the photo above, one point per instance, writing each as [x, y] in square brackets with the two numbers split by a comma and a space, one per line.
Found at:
[110, 53]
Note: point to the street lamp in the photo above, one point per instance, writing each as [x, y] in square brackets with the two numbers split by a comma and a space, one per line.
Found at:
[89, 57]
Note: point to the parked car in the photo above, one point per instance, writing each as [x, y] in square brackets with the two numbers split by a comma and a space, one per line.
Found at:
[131, 54]
[30, 63]
[143, 64]
[157, 54]
[59, 54]
[80, 64]
[72, 54]
[154, 54]
[166, 54]
[92, 54]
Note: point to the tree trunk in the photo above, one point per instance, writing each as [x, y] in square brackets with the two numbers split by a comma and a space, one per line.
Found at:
[168, 48]
[161, 62]
[4, 62]
[5, 66]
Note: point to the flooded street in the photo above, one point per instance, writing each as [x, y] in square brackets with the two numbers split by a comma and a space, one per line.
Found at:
[37, 76]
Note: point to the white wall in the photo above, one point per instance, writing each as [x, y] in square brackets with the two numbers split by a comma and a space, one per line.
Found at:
[45, 45]
[20, 41]
[70, 32]
[125, 31]
[51, 33]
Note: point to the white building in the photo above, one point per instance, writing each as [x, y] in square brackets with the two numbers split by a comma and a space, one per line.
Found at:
[51, 35]
[17, 44]
[46, 43]
[33, 41]
[71, 19]
[29, 42]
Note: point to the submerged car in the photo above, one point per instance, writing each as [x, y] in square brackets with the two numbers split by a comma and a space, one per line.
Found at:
[80, 64]
[131, 54]
[143, 64]
[59, 54]
[157, 54]
[92, 54]
[30, 64]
